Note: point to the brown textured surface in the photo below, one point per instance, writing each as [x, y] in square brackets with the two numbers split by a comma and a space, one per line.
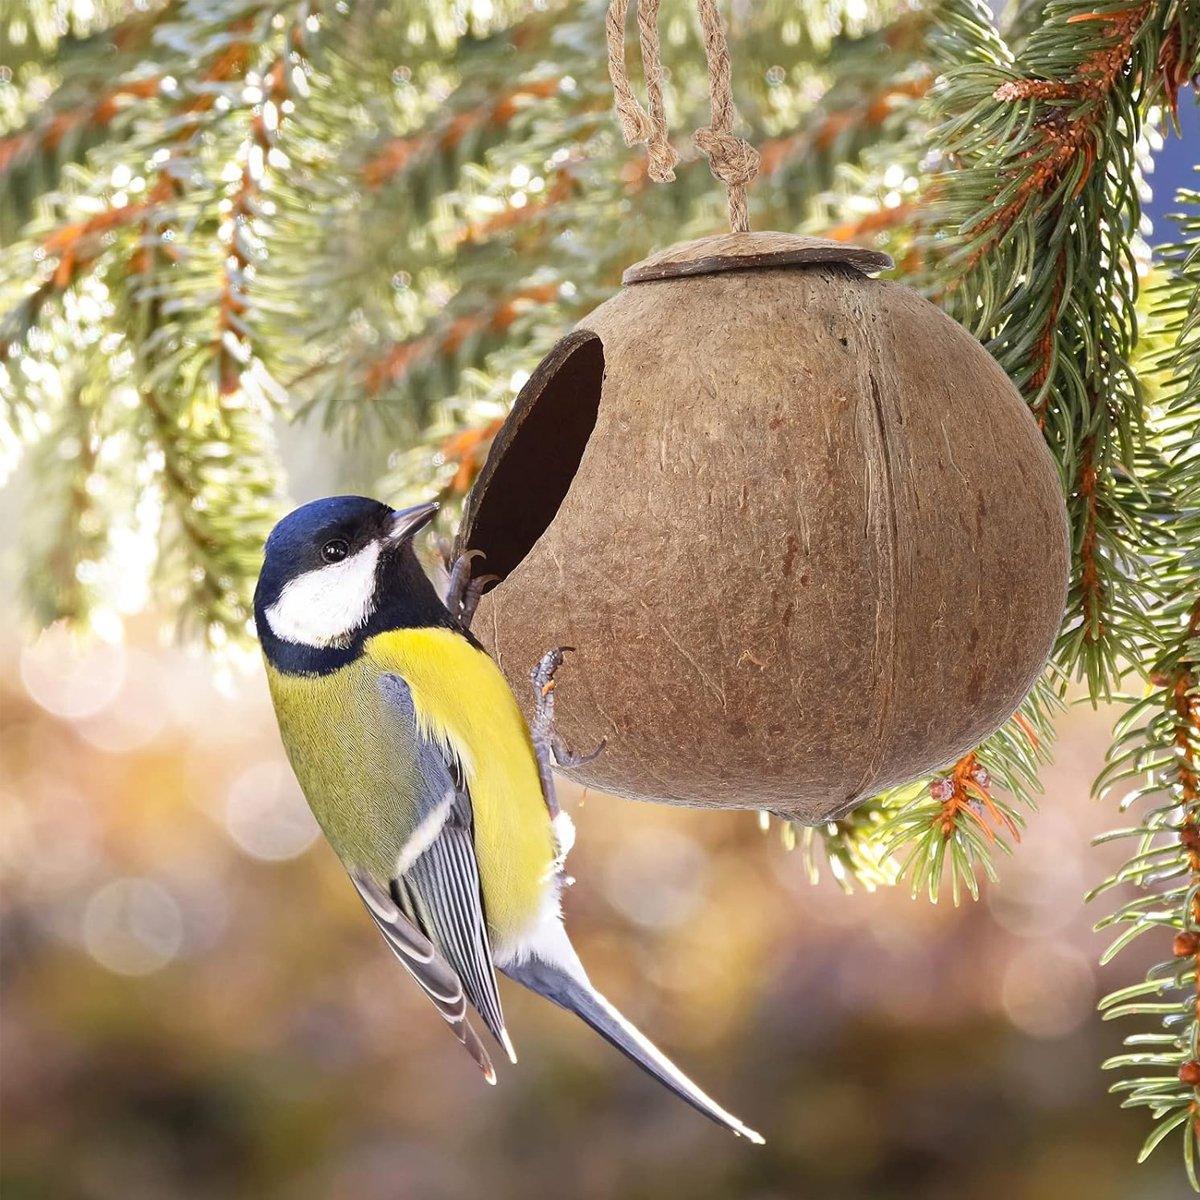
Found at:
[815, 546]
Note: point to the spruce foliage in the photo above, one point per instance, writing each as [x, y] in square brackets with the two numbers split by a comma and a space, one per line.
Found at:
[222, 214]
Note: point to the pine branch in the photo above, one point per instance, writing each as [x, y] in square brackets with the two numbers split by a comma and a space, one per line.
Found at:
[1061, 159]
[872, 223]
[1041, 193]
[176, 270]
[500, 125]
[95, 83]
[51, 130]
[210, 420]
[399, 154]
[398, 363]
[1157, 746]
[32, 29]
[976, 808]
[851, 848]
[446, 462]
[952, 822]
[74, 247]
[77, 536]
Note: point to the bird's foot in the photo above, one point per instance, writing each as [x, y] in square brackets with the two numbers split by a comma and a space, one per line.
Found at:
[551, 750]
[464, 590]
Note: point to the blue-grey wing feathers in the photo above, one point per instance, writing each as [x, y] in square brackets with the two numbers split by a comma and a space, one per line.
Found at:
[436, 883]
[440, 891]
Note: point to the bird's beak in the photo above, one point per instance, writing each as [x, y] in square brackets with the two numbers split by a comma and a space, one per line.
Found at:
[406, 521]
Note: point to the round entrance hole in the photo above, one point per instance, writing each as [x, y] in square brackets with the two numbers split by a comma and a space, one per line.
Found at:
[535, 456]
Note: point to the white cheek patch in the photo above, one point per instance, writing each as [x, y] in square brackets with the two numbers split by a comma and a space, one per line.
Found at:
[325, 606]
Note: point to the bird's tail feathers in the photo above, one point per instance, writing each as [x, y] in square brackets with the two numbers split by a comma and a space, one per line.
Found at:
[568, 987]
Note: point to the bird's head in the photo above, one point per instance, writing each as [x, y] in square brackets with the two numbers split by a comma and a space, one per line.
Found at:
[336, 567]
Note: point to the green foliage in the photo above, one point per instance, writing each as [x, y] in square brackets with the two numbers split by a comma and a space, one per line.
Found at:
[851, 848]
[133, 276]
[1156, 747]
[1033, 239]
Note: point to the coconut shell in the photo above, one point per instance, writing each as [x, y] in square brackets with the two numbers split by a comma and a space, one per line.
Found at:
[803, 532]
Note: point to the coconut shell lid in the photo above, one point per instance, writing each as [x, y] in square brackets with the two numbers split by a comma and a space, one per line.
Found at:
[747, 251]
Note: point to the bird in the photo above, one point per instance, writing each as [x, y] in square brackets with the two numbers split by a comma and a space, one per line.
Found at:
[422, 772]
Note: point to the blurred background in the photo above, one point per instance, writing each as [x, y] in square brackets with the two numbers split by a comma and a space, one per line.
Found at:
[258, 252]
[195, 1005]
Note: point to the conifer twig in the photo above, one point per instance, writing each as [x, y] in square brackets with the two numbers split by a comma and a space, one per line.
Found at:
[1156, 747]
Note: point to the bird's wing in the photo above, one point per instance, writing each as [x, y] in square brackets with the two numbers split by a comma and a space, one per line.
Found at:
[422, 961]
[436, 880]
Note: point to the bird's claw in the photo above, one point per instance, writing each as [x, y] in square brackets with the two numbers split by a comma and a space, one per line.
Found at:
[460, 577]
[470, 601]
[464, 590]
[566, 757]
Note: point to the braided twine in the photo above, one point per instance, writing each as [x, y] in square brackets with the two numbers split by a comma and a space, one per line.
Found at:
[730, 158]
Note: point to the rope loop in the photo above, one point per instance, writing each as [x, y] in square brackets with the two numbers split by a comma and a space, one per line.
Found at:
[731, 159]
[638, 126]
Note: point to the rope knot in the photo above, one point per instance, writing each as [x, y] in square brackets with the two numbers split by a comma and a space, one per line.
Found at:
[730, 158]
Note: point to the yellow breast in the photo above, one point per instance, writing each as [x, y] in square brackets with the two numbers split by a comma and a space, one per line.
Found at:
[463, 700]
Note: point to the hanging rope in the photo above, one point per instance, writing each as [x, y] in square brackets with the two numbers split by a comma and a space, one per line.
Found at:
[731, 159]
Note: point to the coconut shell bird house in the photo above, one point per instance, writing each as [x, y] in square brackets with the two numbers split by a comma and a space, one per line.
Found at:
[802, 531]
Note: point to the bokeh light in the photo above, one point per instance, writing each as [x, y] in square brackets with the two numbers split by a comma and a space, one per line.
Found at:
[136, 714]
[70, 675]
[659, 881]
[132, 926]
[1049, 989]
[266, 813]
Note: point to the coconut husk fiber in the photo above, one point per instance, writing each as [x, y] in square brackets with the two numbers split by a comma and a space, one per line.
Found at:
[803, 532]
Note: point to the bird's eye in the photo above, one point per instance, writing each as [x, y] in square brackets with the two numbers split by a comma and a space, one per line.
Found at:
[335, 550]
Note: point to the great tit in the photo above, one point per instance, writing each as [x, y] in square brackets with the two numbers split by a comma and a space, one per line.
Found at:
[423, 774]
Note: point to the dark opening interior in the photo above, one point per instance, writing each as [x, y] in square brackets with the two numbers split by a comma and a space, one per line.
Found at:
[535, 456]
